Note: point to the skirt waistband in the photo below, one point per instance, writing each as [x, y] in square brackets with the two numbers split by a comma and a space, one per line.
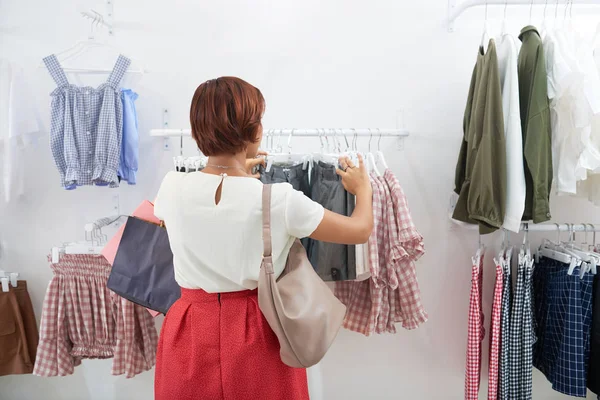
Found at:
[200, 296]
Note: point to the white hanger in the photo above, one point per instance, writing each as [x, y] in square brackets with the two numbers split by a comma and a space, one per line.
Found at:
[485, 37]
[504, 28]
[84, 46]
[371, 164]
[380, 156]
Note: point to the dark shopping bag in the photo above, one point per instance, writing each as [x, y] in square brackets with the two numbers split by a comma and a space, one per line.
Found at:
[143, 268]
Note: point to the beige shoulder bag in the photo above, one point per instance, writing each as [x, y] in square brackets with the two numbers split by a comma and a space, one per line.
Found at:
[299, 306]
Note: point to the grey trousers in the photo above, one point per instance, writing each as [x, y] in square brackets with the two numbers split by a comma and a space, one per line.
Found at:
[333, 262]
[294, 175]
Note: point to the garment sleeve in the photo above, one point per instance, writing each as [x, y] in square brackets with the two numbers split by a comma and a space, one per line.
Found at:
[302, 215]
[487, 193]
[165, 197]
[130, 134]
[537, 147]
[57, 144]
[461, 164]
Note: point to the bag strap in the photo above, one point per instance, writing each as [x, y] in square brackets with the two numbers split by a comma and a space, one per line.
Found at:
[266, 219]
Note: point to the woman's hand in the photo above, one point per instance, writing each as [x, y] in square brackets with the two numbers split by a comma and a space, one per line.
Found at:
[253, 162]
[354, 178]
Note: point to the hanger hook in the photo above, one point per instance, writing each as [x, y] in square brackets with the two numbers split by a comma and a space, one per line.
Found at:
[379, 141]
[571, 10]
[585, 233]
[289, 143]
[557, 232]
[531, 12]
[370, 138]
[345, 139]
[556, 11]
[505, 7]
[486, 13]
[354, 140]
[545, 7]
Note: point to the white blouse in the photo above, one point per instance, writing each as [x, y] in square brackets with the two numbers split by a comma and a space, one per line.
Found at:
[508, 50]
[218, 247]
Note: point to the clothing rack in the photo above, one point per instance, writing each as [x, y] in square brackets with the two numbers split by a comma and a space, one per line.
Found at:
[551, 227]
[320, 132]
[456, 7]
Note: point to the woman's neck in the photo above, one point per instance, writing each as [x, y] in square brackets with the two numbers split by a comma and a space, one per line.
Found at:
[234, 165]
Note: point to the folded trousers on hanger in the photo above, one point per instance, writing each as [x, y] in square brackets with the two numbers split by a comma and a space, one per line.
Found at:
[563, 313]
[333, 262]
[295, 175]
[18, 331]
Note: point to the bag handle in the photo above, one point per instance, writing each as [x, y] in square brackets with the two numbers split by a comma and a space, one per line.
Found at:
[266, 226]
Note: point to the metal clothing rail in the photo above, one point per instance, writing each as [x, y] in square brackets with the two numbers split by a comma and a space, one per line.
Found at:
[321, 132]
[550, 227]
[456, 8]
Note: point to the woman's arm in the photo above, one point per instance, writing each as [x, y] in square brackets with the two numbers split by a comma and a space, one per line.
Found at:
[356, 229]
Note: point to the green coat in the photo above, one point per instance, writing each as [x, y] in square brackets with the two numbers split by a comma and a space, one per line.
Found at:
[535, 123]
[480, 179]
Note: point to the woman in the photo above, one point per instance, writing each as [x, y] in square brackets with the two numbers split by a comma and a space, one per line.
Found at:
[215, 343]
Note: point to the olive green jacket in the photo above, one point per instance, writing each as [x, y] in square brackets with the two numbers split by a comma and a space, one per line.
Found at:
[480, 179]
[535, 123]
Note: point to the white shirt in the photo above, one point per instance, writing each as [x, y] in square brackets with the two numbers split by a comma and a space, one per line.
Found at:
[507, 49]
[218, 248]
[19, 122]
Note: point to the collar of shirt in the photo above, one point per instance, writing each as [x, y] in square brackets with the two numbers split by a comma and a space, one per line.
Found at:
[527, 29]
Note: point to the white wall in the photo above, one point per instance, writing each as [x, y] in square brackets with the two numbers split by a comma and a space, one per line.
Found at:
[337, 63]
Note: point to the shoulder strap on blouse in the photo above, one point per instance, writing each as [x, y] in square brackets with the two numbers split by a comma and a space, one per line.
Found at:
[118, 71]
[55, 70]
[266, 218]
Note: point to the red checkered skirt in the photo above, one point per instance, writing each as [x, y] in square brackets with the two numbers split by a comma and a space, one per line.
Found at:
[220, 346]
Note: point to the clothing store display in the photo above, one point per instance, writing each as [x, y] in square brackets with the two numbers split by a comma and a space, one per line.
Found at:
[495, 331]
[480, 179]
[506, 47]
[18, 331]
[235, 222]
[333, 262]
[476, 331]
[128, 164]
[203, 339]
[299, 306]
[391, 294]
[507, 291]
[81, 319]
[19, 125]
[295, 175]
[86, 127]
[563, 312]
[142, 271]
[535, 125]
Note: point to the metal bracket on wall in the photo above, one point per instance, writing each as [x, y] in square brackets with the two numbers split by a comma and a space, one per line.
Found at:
[165, 125]
[400, 125]
[110, 16]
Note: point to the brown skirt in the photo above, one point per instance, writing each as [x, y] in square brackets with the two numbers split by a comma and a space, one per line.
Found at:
[18, 331]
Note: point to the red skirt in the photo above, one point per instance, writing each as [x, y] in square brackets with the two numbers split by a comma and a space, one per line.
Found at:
[219, 346]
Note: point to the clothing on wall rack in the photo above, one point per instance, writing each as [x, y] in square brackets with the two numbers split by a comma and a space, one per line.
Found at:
[360, 132]
[457, 7]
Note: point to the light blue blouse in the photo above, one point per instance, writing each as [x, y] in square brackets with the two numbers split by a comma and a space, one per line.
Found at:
[128, 165]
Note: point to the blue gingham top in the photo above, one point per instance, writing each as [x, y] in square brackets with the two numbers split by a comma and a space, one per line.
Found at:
[86, 127]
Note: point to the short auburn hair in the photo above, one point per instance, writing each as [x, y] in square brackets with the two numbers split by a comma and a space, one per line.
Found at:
[225, 115]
